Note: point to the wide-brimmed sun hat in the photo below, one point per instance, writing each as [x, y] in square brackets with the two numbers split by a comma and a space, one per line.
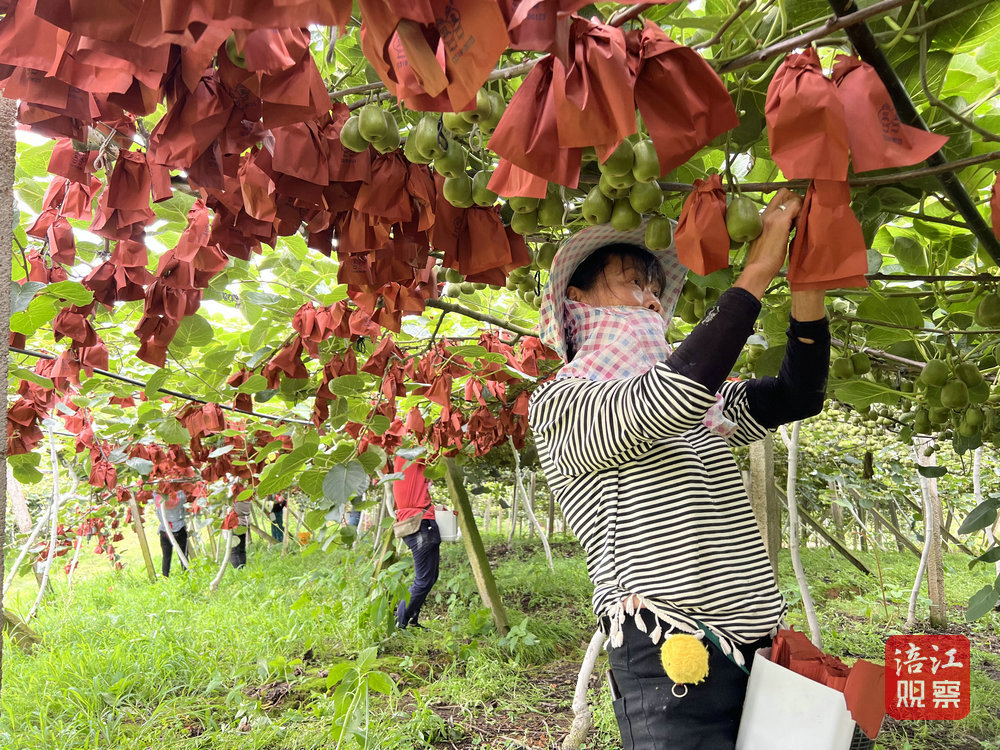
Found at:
[551, 313]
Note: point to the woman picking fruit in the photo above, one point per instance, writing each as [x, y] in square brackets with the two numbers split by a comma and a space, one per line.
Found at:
[635, 442]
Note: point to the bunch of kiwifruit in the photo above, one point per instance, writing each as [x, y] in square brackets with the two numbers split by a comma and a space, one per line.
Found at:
[371, 126]
[849, 365]
[952, 399]
[627, 188]
[432, 141]
[456, 285]
[694, 301]
[955, 395]
[490, 106]
[524, 282]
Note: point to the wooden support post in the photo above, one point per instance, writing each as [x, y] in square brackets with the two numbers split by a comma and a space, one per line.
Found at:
[836, 510]
[837, 514]
[863, 537]
[388, 539]
[377, 522]
[894, 517]
[764, 498]
[481, 570]
[298, 524]
[263, 534]
[194, 549]
[212, 542]
[945, 526]
[21, 635]
[900, 537]
[951, 537]
[834, 542]
[383, 554]
[932, 536]
[531, 504]
[140, 533]
[550, 527]
[513, 513]
[284, 527]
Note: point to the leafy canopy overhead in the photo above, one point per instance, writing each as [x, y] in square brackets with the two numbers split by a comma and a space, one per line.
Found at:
[243, 286]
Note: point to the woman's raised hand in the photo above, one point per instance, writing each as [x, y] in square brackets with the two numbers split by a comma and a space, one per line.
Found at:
[768, 252]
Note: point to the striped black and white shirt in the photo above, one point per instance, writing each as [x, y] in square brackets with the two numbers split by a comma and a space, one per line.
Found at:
[656, 499]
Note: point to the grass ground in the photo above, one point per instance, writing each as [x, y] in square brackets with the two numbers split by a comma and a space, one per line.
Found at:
[293, 652]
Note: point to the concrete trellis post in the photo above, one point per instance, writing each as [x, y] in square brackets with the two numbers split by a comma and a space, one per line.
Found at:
[8, 151]
[764, 499]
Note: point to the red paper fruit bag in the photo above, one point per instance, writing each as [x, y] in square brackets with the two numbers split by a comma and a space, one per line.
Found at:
[538, 25]
[793, 650]
[701, 238]
[593, 90]
[829, 248]
[806, 125]
[399, 77]
[543, 25]
[508, 180]
[878, 139]
[683, 102]
[527, 133]
[449, 45]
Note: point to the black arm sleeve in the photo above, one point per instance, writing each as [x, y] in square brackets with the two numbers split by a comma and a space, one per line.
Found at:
[707, 356]
[800, 388]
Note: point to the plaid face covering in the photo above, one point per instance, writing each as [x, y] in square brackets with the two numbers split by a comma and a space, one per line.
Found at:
[612, 343]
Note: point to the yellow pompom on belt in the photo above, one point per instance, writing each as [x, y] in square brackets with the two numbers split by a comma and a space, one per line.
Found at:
[685, 660]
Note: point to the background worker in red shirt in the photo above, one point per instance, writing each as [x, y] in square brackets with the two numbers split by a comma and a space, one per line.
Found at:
[412, 496]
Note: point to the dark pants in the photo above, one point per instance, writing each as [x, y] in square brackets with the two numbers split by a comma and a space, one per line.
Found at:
[168, 549]
[650, 717]
[425, 545]
[278, 527]
[238, 557]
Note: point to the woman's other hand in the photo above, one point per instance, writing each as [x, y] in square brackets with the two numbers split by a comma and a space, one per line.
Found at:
[768, 252]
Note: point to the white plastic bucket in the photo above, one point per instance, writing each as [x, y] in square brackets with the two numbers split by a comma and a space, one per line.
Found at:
[447, 521]
[785, 711]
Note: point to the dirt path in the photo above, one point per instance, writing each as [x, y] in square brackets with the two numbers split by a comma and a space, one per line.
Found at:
[543, 727]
